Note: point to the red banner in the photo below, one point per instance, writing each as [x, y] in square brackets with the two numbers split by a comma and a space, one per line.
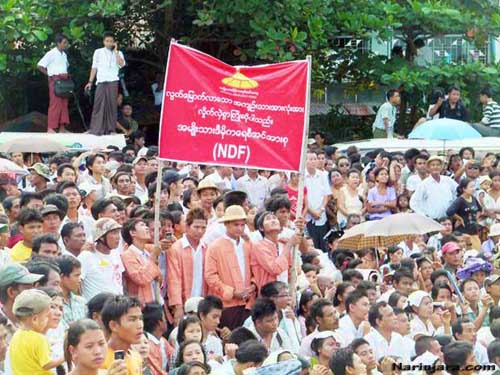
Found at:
[247, 116]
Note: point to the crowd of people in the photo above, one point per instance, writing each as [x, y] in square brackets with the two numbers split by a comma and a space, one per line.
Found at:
[84, 287]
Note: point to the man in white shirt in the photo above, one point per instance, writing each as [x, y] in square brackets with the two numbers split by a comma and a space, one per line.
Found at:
[436, 193]
[265, 326]
[420, 174]
[221, 178]
[318, 193]
[463, 329]
[102, 269]
[352, 325]
[326, 318]
[106, 64]
[383, 338]
[256, 187]
[54, 64]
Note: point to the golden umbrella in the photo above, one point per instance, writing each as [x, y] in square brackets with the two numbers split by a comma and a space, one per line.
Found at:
[388, 231]
[240, 81]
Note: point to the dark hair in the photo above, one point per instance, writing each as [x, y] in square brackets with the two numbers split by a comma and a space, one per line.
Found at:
[486, 91]
[97, 302]
[494, 313]
[353, 298]
[262, 308]
[234, 198]
[218, 200]
[317, 343]
[278, 203]
[99, 206]
[317, 308]
[356, 343]
[60, 37]
[68, 228]
[374, 313]
[457, 327]
[183, 326]
[453, 88]
[208, 304]
[66, 185]
[340, 360]
[438, 273]
[58, 200]
[349, 274]
[8, 202]
[341, 288]
[411, 153]
[67, 263]
[240, 335]
[394, 299]
[251, 351]
[186, 368]
[455, 355]
[152, 316]
[42, 267]
[108, 34]
[391, 93]
[463, 185]
[494, 350]
[400, 274]
[128, 227]
[179, 361]
[116, 307]
[27, 197]
[136, 135]
[466, 281]
[192, 215]
[61, 168]
[73, 335]
[29, 215]
[306, 297]
[44, 238]
[272, 289]
[90, 161]
[423, 344]
[437, 287]
[365, 285]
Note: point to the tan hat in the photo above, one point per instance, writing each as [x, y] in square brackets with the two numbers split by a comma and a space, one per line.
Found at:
[104, 226]
[233, 213]
[206, 183]
[434, 158]
[494, 230]
[191, 305]
[30, 302]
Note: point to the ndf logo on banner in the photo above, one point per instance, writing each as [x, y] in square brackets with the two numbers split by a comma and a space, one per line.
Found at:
[250, 116]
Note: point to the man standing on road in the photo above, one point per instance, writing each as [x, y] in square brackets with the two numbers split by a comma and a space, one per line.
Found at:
[106, 64]
[54, 64]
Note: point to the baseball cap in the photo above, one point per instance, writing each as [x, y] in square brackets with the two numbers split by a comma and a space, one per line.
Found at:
[415, 298]
[51, 209]
[492, 279]
[191, 305]
[138, 159]
[450, 247]
[41, 170]
[15, 273]
[30, 302]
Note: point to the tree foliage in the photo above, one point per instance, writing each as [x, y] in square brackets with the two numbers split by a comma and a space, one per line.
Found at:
[254, 31]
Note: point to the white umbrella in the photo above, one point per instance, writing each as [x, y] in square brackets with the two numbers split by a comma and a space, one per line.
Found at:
[388, 231]
[7, 166]
[32, 144]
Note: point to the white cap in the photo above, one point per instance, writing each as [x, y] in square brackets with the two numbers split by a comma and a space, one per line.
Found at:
[191, 305]
[415, 299]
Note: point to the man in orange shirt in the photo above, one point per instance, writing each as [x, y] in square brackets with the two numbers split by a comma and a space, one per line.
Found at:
[227, 269]
[185, 264]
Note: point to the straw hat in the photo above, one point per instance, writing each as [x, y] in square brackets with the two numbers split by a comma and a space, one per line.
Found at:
[206, 183]
[434, 158]
[233, 213]
[104, 226]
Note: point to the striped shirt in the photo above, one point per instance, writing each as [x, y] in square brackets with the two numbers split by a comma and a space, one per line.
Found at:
[491, 115]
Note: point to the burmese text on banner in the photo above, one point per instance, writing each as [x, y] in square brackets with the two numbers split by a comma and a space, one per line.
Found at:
[215, 113]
